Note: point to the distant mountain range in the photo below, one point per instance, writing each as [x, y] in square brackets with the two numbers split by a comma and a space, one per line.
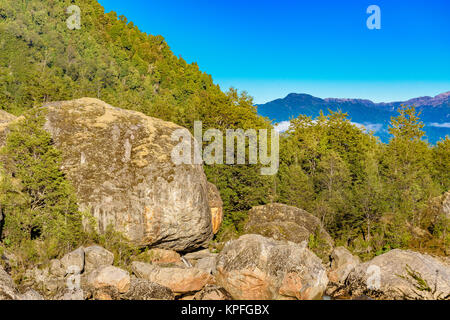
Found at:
[435, 112]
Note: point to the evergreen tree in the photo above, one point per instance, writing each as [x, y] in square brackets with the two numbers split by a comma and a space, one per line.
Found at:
[408, 165]
[441, 163]
[37, 201]
[368, 202]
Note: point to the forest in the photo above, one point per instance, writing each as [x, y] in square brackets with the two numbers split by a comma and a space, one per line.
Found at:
[370, 196]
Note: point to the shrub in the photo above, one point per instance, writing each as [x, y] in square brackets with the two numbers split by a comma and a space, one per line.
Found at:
[42, 220]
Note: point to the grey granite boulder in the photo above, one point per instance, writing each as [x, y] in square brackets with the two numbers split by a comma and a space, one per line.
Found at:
[257, 268]
[96, 257]
[282, 222]
[73, 262]
[120, 163]
[179, 280]
[142, 289]
[401, 274]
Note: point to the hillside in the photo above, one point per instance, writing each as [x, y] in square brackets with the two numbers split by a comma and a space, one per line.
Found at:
[109, 58]
[434, 112]
[90, 188]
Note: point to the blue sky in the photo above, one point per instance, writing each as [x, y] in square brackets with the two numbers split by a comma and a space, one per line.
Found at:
[321, 47]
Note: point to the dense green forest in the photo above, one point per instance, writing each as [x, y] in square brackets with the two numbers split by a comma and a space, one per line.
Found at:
[370, 196]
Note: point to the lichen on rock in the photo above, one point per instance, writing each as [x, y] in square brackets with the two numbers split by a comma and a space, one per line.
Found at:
[119, 162]
[283, 222]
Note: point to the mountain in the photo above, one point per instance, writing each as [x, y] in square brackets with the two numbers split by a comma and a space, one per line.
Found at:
[435, 112]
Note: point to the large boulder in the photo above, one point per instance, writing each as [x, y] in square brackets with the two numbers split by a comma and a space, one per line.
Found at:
[342, 262]
[120, 164]
[282, 222]
[203, 259]
[109, 276]
[139, 289]
[216, 205]
[74, 294]
[179, 280]
[401, 274]
[31, 295]
[73, 262]
[197, 255]
[212, 292]
[96, 257]
[6, 117]
[257, 268]
[56, 268]
[142, 289]
[48, 284]
[160, 256]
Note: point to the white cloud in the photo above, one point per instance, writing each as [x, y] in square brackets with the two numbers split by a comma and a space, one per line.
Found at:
[359, 125]
[367, 126]
[282, 126]
[375, 127]
[440, 125]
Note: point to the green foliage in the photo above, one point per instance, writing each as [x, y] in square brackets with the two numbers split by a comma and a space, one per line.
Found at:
[294, 186]
[108, 58]
[441, 163]
[319, 246]
[323, 161]
[39, 205]
[232, 226]
[116, 243]
[368, 195]
[408, 164]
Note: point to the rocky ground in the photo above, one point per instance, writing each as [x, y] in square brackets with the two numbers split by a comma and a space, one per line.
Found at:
[251, 267]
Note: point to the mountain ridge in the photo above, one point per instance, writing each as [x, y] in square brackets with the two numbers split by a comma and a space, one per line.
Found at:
[435, 111]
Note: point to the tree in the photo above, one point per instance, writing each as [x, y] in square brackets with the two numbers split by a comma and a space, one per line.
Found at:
[332, 180]
[295, 187]
[37, 200]
[368, 200]
[408, 165]
[441, 163]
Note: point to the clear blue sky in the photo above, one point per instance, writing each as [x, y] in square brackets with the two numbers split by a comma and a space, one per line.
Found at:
[321, 47]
